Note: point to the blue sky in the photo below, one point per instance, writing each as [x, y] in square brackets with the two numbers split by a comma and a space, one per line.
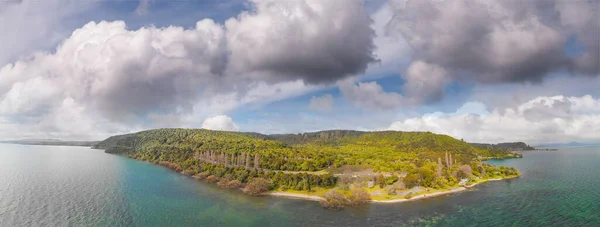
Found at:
[295, 66]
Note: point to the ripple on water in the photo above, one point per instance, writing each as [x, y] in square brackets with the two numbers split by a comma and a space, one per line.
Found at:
[58, 186]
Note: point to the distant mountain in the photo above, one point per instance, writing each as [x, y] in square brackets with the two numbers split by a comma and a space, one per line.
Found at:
[513, 146]
[570, 144]
[51, 142]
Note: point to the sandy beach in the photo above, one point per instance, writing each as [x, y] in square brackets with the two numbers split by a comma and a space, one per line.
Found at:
[424, 196]
[418, 197]
[296, 196]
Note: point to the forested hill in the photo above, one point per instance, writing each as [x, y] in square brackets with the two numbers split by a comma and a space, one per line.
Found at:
[386, 150]
[328, 159]
[330, 136]
[514, 146]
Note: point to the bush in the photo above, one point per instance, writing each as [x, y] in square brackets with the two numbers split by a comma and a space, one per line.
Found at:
[334, 200]
[171, 165]
[358, 196]
[391, 179]
[223, 183]
[189, 172]
[411, 180]
[202, 176]
[409, 195]
[211, 179]
[234, 184]
[257, 187]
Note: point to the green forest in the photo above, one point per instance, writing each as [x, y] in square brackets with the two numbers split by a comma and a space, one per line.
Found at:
[308, 161]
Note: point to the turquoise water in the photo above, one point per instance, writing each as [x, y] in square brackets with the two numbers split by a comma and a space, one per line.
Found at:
[74, 186]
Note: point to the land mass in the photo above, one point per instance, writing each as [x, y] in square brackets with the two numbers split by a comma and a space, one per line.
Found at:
[51, 142]
[513, 146]
[338, 167]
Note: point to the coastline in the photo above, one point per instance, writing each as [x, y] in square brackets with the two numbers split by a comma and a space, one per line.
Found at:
[295, 196]
[302, 196]
[418, 197]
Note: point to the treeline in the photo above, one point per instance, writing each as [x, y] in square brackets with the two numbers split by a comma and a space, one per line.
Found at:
[214, 173]
[383, 151]
[429, 159]
[513, 146]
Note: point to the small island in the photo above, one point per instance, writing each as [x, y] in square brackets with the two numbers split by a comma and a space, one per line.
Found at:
[339, 168]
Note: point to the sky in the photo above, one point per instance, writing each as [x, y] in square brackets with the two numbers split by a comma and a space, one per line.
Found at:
[478, 70]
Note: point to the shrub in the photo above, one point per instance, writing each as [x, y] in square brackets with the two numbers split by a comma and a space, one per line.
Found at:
[189, 172]
[408, 196]
[334, 200]
[257, 187]
[202, 176]
[411, 180]
[211, 179]
[223, 183]
[234, 184]
[391, 179]
[358, 196]
[171, 165]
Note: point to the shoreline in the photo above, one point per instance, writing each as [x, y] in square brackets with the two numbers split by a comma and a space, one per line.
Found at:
[295, 196]
[289, 195]
[418, 197]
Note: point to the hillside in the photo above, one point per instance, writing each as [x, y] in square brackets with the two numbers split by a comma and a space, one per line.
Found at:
[308, 160]
[513, 146]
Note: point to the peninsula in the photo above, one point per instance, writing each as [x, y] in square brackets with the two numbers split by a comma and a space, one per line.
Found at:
[338, 167]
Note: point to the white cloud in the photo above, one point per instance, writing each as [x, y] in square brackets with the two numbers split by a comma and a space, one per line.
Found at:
[173, 75]
[424, 82]
[540, 120]
[220, 122]
[142, 8]
[322, 104]
[370, 95]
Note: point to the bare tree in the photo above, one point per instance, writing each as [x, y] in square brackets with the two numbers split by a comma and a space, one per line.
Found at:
[256, 161]
[439, 170]
[248, 161]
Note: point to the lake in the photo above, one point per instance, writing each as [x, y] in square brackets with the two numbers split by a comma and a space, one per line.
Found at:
[77, 186]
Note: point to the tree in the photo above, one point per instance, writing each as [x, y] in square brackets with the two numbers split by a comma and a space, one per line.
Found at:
[464, 171]
[334, 200]
[439, 170]
[257, 187]
[211, 179]
[411, 180]
[381, 181]
[247, 161]
[358, 196]
[256, 161]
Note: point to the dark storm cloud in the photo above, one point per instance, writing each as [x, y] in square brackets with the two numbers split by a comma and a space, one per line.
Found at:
[500, 41]
[316, 41]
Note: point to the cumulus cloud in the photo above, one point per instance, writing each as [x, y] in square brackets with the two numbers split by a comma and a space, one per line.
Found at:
[424, 82]
[497, 41]
[220, 122]
[540, 120]
[278, 50]
[317, 41]
[119, 72]
[323, 103]
[370, 95]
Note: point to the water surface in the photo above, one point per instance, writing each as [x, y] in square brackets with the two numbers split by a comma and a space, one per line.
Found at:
[58, 186]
